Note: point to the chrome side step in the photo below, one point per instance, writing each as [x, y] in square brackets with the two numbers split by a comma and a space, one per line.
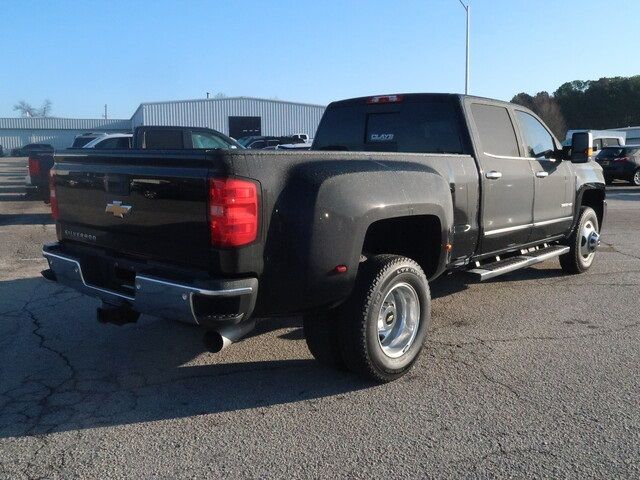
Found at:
[525, 259]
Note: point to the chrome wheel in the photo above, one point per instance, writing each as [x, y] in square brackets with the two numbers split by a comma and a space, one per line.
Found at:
[398, 320]
[636, 178]
[589, 241]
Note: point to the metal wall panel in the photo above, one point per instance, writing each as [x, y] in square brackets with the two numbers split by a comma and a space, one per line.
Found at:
[278, 117]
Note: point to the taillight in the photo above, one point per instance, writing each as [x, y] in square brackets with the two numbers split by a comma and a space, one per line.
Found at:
[621, 159]
[52, 195]
[233, 211]
[385, 99]
[34, 167]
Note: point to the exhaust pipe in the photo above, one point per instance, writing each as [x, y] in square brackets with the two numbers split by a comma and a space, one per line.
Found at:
[49, 275]
[216, 340]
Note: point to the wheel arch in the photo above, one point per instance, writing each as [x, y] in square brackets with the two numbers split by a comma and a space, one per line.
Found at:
[419, 237]
[594, 196]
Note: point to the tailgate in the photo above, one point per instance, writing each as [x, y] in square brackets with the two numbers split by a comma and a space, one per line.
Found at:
[136, 206]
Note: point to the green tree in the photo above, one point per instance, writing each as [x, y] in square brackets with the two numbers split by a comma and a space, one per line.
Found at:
[606, 103]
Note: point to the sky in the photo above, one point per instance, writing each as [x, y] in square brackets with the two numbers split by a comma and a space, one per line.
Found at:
[84, 54]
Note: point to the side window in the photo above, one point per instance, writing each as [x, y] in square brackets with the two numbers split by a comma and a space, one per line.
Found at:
[206, 140]
[124, 143]
[496, 131]
[610, 142]
[597, 145]
[164, 139]
[537, 139]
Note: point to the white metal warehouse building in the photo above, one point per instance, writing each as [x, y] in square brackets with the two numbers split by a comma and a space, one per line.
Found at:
[234, 116]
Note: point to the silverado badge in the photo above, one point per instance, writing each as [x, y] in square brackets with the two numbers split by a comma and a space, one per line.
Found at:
[118, 209]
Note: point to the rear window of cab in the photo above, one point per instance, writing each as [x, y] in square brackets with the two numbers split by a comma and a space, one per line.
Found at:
[416, 127]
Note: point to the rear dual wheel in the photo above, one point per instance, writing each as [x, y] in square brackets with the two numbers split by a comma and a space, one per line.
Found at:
[379, 332]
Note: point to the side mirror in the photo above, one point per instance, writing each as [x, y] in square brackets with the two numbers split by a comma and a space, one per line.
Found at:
[581, 148]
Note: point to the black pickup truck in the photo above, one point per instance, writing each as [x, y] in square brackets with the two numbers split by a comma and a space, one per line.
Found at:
[397, 190]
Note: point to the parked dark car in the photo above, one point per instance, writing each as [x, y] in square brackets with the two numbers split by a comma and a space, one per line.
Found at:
[1, 151]
[32, 148]
[37, 181]
[621, 163]
[146, 138]
[260, 142]
[396, 191]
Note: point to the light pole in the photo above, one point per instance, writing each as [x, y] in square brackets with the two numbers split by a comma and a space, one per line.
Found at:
[467, 8]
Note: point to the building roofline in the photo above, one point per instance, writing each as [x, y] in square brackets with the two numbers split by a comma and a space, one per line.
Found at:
[28, 119]
[192, 100]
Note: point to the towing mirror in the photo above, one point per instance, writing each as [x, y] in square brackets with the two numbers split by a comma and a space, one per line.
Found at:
[581, 148]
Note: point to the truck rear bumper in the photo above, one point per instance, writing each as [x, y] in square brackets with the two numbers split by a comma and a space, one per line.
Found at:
[218, 303]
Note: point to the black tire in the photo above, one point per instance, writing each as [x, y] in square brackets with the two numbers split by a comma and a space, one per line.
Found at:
[360, 344]
[635, 179]
[573, 261]
[321, 335]
[608, 180]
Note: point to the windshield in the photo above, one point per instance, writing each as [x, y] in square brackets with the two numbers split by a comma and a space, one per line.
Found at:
[213, 140]
[82, 141]
[244, 141]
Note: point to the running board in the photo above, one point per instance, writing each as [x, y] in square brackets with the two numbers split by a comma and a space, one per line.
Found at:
[525, 259]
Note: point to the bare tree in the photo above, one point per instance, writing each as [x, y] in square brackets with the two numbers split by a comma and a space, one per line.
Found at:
[27, 110]
[45, 110]
[549, 110]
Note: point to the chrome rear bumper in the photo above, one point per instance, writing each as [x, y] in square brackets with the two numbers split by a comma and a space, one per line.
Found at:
[161, 297]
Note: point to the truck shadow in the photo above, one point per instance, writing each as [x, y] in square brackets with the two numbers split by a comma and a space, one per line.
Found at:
[4, 188]
[26, 219]
[62, 371]
[12, 197]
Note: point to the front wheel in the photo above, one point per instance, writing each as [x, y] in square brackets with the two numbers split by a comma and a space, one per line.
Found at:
[636, 178]
[384, 323]
[582, 243]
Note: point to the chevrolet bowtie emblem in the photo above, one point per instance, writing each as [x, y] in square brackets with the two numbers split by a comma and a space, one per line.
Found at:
[118, 209]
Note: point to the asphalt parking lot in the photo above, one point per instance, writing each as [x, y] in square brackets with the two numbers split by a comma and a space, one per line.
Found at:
[533, 374]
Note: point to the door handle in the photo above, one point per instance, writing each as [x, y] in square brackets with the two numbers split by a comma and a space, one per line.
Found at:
[542, 174]
[493, 175]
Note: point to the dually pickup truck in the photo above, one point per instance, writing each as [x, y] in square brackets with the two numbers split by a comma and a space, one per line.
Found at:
[396, 191]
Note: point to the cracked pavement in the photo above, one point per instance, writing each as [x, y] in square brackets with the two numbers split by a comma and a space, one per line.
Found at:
[534, 374]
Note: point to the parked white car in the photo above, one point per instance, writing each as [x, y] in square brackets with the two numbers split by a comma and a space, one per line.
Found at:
[633, 135]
